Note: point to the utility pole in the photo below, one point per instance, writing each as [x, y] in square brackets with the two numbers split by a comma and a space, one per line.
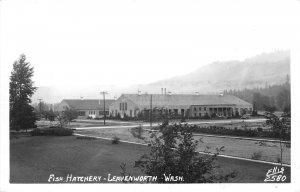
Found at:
[40, 108]
[104, 117]
[150, 113]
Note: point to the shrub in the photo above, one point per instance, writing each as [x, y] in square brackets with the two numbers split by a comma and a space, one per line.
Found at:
[173, 151]
[115, 140]
[256, 155]
[137, 132]
[278, 159]
[51, 132]
[259, 129]
[206, 116]
[259, 132]
[85, 137]
[13, 135]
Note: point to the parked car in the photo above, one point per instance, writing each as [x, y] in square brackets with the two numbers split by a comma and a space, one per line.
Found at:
[245, 116]
[91, 116]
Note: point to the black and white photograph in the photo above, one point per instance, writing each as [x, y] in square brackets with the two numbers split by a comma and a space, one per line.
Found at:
[149, 95]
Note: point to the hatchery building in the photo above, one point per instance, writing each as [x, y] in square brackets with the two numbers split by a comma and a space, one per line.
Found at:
[187, 105]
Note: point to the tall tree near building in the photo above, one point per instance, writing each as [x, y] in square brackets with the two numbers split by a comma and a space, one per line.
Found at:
[284, 98]
[21, 89]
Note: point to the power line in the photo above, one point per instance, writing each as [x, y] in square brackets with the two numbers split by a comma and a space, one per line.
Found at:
[104, 117]
[150, 114]
[40, 108]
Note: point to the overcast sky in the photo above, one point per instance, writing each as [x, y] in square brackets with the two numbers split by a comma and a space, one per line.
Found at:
[129, 42]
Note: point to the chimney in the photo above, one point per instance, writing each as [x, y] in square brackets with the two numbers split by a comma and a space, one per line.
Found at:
[162, 90]
[165, 90]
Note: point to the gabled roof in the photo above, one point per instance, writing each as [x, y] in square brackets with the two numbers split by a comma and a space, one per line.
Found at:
[88, 104]
[165, 100]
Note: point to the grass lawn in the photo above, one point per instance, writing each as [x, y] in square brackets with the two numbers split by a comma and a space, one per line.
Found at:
[234, 147]
[33, 159]
[85, 123]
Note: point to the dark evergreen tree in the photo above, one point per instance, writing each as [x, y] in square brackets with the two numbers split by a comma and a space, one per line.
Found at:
[69, 115]
[284, 98]
[21, 89]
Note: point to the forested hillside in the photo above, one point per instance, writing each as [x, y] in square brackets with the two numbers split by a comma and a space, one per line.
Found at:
[269, 97]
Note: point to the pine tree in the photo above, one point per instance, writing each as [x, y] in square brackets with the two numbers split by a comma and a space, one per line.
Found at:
[21, 89]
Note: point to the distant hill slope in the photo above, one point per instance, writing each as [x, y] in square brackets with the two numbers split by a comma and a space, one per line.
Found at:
[267, 68]
[270, 68]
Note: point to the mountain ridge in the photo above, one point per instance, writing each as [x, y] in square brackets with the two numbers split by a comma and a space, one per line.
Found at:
[254, 72]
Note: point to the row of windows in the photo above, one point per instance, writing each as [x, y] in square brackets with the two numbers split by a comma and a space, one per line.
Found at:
[102, 112]
[92, 112]
[82, 113]
[131, 113]
[123, 106]
[196, 114]
[204, 108]
[195, 108]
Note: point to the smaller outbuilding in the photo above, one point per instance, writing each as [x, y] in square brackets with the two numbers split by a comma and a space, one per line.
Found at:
[93, 108]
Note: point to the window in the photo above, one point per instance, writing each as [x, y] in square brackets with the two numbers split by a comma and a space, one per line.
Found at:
[81, 113]
[176, 111]
[130, 113]
[204, 108]
[102, 112]
[125, 106]
[199, 114]
[199, 108]
[120, 106]
[195, 109]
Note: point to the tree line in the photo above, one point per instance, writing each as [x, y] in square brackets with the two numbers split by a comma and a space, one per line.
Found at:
[269, 98]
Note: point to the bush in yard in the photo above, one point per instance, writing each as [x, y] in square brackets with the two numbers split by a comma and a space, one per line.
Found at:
[173, 151]
[85, 137]
[206, 116]
[281, 128]
[256, 155]
[70, 114]
[259, 129]
[51, 132]
[137, 132]
[115, 140]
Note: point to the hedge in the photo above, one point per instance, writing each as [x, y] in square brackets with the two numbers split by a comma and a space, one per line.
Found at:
[239, 132]
[51, 132]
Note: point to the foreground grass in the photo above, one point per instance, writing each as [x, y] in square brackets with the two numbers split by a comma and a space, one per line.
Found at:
[33, 159]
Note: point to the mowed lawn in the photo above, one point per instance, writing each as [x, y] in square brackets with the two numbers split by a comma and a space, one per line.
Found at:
[85, 123]
[33, 159]
[269, 151]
